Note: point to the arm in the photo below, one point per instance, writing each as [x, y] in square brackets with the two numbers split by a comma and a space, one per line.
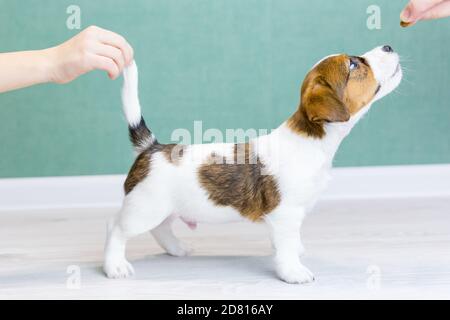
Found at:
[93, 48]
[23, 69]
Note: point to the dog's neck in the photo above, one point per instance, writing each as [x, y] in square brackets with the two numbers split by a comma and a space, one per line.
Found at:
[326, 136]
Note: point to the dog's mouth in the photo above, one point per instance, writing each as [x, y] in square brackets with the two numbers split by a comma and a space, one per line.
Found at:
[393, 75]
[397, 70]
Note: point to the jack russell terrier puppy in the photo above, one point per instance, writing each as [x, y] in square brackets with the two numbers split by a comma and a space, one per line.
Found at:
[275, 178]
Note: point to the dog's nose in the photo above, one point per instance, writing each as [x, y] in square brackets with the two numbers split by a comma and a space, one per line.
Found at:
[387, 48]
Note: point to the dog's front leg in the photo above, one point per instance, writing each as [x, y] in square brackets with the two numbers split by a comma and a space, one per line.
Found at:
[285, 225]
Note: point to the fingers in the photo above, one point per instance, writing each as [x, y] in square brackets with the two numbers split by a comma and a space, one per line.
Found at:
[112, 53]
[106, 50]
[416, 9]
[439, 11]
[113, 39]
[93, 48]
[106, 64]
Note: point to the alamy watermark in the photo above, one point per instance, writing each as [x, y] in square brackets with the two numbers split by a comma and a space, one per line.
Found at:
[235, 146]
[73, 281]
[374, 19]
[373, 282]
[73, 21]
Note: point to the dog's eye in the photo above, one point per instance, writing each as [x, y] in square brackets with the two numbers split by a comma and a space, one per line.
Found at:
[353, 65]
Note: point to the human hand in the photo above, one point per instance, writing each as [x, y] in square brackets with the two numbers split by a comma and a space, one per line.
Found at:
[93, 48]
[417, 10]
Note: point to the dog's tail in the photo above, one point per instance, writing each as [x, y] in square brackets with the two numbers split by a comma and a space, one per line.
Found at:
[141, 137]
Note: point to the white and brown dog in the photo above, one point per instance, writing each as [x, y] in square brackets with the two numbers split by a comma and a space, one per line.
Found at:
[274, 178]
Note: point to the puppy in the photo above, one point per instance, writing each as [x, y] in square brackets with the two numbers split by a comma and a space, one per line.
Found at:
[275, 178]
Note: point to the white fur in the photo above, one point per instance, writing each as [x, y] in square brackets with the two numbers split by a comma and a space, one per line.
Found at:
[300, 164]
[130, 103]
[130, 98]
[387, 70]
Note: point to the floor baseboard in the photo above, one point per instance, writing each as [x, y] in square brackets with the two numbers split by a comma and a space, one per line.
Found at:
[107, 191]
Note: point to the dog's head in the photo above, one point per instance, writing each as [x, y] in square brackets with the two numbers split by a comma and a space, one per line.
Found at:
[341, 87]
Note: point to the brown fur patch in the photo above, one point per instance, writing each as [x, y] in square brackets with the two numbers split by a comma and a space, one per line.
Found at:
[141, 167]
[174, 152]
[360, 89]
[332, 93]
[241, 184]
[138, 171]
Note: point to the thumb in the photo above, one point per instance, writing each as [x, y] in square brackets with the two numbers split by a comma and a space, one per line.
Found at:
[408, 13]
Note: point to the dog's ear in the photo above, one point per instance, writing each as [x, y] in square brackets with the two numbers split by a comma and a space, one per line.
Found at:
[322, 103]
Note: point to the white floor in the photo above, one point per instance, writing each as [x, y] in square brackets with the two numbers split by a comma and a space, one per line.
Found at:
[396, 248]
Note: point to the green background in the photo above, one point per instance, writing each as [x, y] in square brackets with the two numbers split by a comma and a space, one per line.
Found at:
[229, 63]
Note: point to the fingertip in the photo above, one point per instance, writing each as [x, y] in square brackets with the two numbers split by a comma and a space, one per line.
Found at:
[112, 76]
[405, 15]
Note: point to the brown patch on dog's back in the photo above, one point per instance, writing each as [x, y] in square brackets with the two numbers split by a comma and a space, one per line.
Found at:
[138, 171]
[241, 184]
[174, 152]
[141, 167]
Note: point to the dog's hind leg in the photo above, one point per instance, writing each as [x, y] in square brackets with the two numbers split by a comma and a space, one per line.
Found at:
[134, 218]
[163, 234]
[115, 264]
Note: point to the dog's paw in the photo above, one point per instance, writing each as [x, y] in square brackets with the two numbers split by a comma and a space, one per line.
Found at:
[295, 275]
[179, 249]
[119, 269]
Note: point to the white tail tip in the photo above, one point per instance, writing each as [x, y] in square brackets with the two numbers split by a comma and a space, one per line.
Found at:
[130, 95]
